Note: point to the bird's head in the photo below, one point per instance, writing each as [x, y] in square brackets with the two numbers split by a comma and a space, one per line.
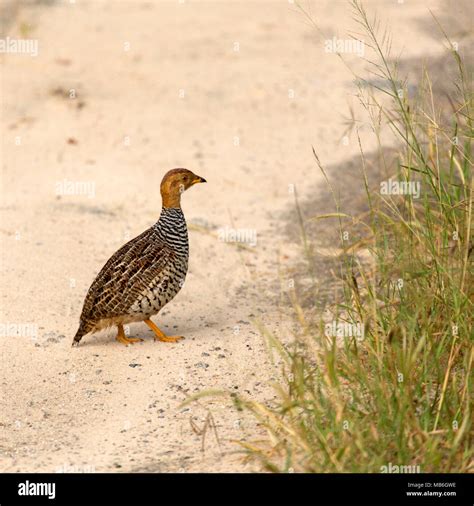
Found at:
[174, 183]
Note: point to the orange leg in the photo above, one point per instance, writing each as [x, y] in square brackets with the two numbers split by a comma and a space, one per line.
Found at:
[161, 336]
[122, 338]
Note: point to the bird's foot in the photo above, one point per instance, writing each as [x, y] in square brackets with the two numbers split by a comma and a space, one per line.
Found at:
[160, 335]
[128, 340]
[168, 339]
[122, 338]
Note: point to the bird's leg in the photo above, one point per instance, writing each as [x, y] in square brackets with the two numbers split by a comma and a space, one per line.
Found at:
[161, 336]
[122, 338]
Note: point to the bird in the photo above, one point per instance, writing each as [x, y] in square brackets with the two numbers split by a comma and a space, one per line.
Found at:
[144, 274]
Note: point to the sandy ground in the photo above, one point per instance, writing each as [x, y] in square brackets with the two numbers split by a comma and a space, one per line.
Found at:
[237, 92]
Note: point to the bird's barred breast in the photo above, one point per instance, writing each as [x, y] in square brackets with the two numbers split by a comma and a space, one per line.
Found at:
[162, 289]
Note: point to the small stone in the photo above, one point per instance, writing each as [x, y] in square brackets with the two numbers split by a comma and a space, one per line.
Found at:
[203, 365]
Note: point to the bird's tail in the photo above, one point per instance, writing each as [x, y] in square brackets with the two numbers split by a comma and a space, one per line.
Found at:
[81, 331]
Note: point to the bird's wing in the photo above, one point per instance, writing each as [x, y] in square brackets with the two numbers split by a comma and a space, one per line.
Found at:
[126, 274]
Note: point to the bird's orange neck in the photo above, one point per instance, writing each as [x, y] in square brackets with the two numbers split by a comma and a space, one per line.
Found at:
[171, 199]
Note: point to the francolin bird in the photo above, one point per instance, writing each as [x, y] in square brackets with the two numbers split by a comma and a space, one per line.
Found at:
[144, 274]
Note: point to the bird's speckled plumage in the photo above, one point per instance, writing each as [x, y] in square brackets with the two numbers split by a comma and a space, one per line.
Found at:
[142, 276]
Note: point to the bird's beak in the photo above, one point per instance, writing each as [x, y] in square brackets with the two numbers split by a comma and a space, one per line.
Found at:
[199, 179]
